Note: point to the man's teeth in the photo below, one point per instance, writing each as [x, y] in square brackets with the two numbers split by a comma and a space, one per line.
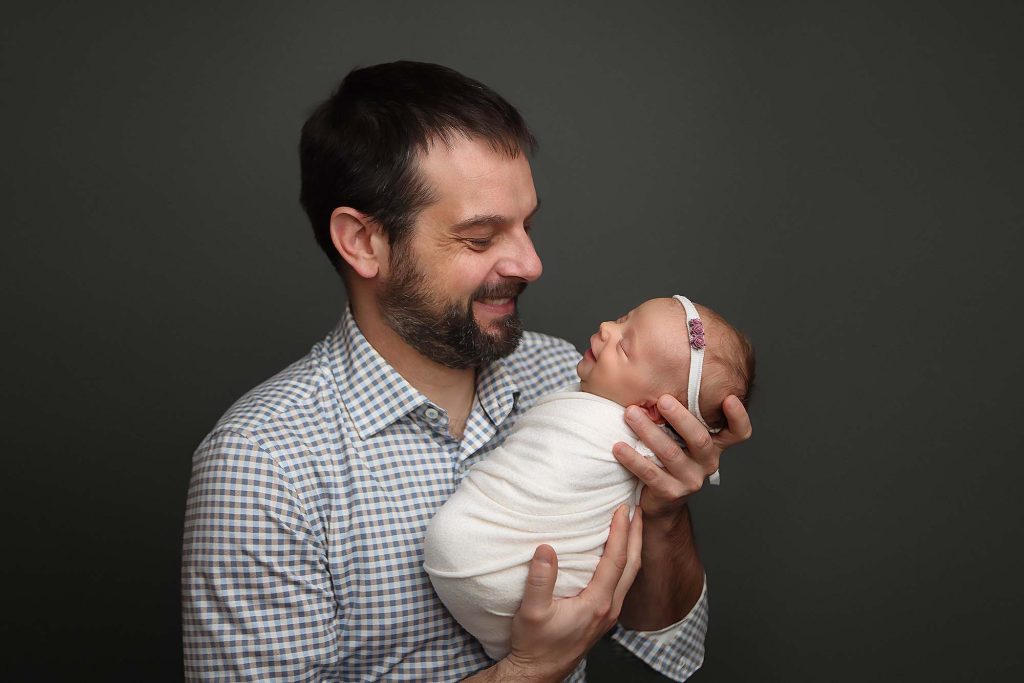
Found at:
[495, 302]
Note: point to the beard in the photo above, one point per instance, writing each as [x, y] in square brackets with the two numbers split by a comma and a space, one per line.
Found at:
[446, 331]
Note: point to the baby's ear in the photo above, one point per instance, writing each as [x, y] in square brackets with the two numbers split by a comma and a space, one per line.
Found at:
[651, 408]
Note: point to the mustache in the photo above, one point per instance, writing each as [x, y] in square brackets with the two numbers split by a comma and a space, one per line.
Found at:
[500, 290]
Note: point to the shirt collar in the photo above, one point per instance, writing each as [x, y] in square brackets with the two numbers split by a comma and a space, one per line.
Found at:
[373, 393]
[376, 396]
[497, 391]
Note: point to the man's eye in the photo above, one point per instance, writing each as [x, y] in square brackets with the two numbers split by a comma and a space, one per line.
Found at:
[481, 243]
[621, 320]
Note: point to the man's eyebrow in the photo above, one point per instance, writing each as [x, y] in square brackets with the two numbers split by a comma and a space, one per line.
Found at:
[485, 219]
[482, 220]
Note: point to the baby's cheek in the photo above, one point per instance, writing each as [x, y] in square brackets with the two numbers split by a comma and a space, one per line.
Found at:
[635, 385]
[605, 385]
[664, 380]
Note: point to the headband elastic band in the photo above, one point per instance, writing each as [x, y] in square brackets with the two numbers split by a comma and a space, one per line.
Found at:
[696, 342]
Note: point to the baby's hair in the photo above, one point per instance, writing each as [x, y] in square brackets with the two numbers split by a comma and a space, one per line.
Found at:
[729, 361]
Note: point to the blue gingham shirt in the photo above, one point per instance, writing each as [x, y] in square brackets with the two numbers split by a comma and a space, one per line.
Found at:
[302, 555]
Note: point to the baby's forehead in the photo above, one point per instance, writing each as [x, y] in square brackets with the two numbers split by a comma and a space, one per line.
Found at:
[667, 314]
[665, 323]
[662, 307]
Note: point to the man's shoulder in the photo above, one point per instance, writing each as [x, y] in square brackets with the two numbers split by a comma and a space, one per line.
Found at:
[288, 408]
[275, 446]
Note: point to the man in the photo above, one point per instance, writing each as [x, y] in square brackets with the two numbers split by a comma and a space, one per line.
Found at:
[308, 500]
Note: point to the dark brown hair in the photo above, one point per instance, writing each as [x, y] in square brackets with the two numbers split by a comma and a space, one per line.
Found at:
[359, 147]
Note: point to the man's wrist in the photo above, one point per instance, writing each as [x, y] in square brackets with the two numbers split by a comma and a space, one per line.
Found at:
[673, 526]
[668, 633]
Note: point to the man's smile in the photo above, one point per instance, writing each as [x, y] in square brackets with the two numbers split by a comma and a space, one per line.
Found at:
[506, 306]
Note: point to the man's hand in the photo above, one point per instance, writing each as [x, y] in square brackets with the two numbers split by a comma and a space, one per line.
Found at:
[673, 578]
[666, 490]
[551, 635]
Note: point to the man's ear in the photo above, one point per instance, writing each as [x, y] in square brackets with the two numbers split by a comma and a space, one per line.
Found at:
[359, 240]
[651, 408]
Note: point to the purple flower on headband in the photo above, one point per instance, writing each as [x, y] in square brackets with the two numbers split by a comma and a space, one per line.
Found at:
[696, 334]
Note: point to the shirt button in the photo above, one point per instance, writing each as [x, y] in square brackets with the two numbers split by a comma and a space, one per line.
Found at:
[432, 414]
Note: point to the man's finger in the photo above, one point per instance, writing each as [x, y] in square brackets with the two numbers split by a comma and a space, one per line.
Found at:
[699, 444]
[738, 428]
[634, 546]
[655, 438]
[613, 561]
[540, 582]
[689, 475]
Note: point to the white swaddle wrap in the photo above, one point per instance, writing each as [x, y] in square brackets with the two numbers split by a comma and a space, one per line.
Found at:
[554, 481]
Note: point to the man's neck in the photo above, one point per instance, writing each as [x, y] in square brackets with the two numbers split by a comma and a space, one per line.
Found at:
[449, 388]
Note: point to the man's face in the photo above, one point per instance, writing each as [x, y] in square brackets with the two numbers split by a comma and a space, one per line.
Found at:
[452, 285]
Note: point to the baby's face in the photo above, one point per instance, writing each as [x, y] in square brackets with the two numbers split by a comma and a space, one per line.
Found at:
[640, 356]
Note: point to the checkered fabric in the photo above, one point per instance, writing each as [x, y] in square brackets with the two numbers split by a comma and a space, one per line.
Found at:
[302, 555]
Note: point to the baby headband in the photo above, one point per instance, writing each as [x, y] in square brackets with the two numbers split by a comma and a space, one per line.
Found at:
[695, 328]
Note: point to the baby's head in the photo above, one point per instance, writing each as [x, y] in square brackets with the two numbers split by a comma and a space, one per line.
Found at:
[646, 354]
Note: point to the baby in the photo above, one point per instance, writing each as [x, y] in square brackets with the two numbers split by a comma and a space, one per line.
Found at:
[555, 481]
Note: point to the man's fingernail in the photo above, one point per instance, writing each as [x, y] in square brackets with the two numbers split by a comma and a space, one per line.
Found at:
[664, 403]
[632, 413]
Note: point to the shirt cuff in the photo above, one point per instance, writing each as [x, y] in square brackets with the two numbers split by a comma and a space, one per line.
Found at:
[675, 651]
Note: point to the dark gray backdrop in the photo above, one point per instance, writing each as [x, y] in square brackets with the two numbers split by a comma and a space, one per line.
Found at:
[841, 181]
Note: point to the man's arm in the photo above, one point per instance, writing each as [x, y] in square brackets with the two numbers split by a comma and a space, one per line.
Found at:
[672, 578]
[257, 599]
[671, 586]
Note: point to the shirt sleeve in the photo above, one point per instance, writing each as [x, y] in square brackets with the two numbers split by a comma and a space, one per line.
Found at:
[257, 599]
[676, 651]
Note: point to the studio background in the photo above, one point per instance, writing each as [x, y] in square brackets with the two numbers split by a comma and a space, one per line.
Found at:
[842, 181]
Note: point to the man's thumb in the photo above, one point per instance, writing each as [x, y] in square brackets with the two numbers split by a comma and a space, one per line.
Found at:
[540, 582]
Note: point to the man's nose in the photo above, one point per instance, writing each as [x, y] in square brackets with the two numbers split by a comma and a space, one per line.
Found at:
[605, 329]
[522, 260]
